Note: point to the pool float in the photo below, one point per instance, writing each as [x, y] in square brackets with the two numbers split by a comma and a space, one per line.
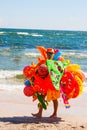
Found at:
[53, 77]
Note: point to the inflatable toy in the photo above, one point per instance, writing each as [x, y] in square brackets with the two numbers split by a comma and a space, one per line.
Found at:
[53, 77]
[27, 83]
[55, 69]
[28, 91]
[42, 70]
[52, 95]
[67, 82]
[57, 55]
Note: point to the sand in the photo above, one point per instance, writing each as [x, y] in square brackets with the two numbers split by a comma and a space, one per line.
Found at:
[16, 109]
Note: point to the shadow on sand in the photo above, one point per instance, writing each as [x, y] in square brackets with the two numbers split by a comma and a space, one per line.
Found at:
[26, 119]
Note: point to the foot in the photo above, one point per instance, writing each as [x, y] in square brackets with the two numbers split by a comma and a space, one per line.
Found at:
[53, 116]
[37, 115]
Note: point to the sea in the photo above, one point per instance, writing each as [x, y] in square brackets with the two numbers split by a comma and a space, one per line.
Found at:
[18, 48]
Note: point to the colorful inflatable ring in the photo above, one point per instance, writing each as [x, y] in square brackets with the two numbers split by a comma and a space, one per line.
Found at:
[73, 67]
[79, 82]
[79, 74]
[59, 77]
[78, 88]
[75, 92]
[67, 82]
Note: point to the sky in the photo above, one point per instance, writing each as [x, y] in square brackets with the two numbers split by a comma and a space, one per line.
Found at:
[44, 14]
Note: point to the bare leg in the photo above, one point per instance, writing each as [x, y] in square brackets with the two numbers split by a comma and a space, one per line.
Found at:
[39, 114]
[55, 105]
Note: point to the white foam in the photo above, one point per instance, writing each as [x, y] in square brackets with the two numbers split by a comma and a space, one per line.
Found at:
[11, 87]
[9, 73]
[2, 33]
[31, 54]
[81, 55]
[36, 35]
[22, 33]
[30, 34]
[4, 85]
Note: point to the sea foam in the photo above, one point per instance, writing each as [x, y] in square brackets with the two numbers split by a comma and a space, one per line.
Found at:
[22, 33]
[32, 54]
[9, 73]
[6, 74]
[8, 84]
[30, 34]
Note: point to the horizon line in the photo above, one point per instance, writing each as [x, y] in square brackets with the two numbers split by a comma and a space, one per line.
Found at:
[42, 29]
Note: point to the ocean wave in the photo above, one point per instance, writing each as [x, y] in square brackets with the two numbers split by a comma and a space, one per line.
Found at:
[2, 33]
[75, 54]
[8, 33]
[68, 54]
[8, 73]
[66, 34]
[5, 51]
[31, 54]
[22, 33]
[29, 34]
[36, 35]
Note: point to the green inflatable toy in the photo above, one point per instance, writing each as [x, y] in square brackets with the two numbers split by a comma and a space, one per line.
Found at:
[56, 70]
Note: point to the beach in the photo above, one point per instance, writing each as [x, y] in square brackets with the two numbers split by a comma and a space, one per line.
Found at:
[19, 49]
[16, 109]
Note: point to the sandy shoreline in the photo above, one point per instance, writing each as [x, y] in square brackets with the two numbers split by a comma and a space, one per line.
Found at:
[16, 109]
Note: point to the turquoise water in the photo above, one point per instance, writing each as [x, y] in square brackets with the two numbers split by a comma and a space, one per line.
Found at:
[18, 46]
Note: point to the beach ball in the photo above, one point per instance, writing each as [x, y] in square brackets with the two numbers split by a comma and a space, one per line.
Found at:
[27, 83]
[42, 70]
[28, 91]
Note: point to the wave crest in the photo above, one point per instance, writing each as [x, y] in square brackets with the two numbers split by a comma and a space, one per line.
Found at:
[31, 54]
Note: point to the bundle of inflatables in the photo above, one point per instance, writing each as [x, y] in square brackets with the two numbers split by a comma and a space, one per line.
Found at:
[53, 77]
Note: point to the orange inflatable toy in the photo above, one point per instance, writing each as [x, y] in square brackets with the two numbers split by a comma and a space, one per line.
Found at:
[60, 79]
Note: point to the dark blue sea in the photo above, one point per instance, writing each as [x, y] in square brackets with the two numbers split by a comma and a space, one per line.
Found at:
[18, 49]
[18, 46]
